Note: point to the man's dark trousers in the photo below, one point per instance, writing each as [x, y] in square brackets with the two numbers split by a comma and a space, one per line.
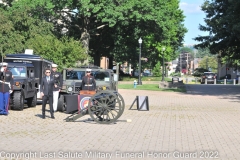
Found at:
[44, 102]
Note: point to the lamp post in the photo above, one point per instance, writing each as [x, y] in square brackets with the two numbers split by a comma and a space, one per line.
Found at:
[139, 67]
[163, 49]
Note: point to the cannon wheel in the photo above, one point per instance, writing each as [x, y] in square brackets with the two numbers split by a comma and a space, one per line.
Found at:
[106, 107]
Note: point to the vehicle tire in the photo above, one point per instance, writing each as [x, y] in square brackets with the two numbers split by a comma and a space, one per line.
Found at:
[61, 104]
[18, 100]
[32, 102]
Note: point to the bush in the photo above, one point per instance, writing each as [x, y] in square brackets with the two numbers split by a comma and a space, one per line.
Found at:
[156, 70]
[199, 71]
[175, 74]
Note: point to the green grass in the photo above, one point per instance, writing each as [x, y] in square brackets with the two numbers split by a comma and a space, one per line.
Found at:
[152, 87]
[144, 78]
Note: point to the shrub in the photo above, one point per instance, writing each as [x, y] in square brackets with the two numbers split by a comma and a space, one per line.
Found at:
[156, 70]
[199, 71]
[177, 74]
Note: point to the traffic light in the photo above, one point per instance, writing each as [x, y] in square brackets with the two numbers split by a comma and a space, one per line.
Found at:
[227, 68]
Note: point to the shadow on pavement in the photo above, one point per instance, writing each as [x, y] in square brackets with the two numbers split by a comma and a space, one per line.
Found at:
[231, 92]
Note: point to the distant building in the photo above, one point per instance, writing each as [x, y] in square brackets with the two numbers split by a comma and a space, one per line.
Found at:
[104, 62]
[231, 72]
[184, 63]
[172, 66]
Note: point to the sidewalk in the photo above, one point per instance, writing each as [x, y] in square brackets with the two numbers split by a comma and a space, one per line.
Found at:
[177, 126]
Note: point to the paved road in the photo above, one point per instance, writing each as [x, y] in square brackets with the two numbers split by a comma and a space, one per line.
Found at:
[198, 124]
[231, 92]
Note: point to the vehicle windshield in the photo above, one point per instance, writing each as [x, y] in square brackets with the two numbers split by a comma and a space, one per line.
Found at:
[101, 76]
[77, 75]
[18, 71]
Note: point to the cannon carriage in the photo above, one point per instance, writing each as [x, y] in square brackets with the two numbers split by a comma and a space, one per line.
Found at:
[104, 107]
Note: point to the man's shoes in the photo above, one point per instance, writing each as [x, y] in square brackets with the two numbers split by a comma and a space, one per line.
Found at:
[43, 117]
[52, 117]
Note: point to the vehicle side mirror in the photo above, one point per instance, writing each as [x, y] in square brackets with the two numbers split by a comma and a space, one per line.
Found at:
[31, 75]
[115, 77]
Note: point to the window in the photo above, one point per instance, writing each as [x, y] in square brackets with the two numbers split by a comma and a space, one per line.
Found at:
[18, 71]
[77, 75]
[101, 76]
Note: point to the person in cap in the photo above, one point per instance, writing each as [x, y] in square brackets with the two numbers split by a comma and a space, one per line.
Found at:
[6, 88]
[88, 81]
[58, 82]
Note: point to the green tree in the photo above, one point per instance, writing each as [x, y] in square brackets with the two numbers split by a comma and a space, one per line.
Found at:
[202, 52]
[198, 72]
[65, 52]
[157, 70]
[21, 31]
[111, 28]
[209, 63]
[10, 39]
[222, 22]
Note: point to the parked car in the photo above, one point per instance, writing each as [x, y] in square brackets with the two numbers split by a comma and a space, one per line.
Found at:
[209, 76]
[147, 73]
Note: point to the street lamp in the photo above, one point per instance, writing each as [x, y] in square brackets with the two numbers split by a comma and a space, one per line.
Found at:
[139, 67]
[163, 49]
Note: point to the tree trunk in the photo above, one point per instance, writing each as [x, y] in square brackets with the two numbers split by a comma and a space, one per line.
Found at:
[110, 62]
[85, 37]
[97, 59]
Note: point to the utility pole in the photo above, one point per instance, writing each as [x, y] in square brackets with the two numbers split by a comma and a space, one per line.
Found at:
[194, 60]
[180, 63]
[187, 64]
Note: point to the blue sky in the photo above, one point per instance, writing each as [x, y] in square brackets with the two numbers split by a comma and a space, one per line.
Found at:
[193, 17]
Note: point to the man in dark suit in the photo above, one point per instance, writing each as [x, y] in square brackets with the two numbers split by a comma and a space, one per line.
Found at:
[46, 90]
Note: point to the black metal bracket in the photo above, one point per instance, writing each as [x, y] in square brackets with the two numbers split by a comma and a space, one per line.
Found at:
[133, 104]
[140, 108]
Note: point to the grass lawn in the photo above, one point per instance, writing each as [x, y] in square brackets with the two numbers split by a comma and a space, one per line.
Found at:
[152, 87]
[145, 78]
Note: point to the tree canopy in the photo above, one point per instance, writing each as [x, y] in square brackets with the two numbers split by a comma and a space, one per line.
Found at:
[209, 63]
[223, 24]
[97, 28]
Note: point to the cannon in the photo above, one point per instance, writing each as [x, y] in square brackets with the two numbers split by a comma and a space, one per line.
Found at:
[104, 107]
